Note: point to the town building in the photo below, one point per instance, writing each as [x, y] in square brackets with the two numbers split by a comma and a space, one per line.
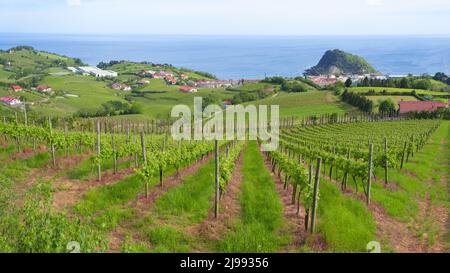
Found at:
[11, 101]
[144, 82]
[227, 103]
[96, 72]
[121, 86]
[44, 88]
[323, 80]
[419, 106]
[188, 89]
[16, 88]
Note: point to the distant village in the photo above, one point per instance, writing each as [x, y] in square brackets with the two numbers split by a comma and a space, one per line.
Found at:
[325, 80]
[186, 85]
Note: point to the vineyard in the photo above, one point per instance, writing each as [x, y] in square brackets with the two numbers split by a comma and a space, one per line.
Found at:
[331, 187]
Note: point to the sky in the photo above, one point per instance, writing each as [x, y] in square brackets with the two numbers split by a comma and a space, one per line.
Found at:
[227, 17]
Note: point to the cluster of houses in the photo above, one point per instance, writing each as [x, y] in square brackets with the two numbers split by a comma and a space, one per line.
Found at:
[214, 83]
[324, 80]
[121, 86]
[188, 89]
[93, 71]
[168, 76]
[40, 88]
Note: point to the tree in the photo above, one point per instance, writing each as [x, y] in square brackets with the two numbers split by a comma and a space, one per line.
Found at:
[439, 76]
[386, 106]
[404, 83]
[348, 82]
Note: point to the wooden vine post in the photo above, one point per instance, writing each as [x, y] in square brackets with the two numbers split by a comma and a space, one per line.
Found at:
[315, 195]
[25, 113]
[163, 148]
[51, 142]
[144, 160]
[386, 163]
[34, 138]
[99, 166]
[17, 137]
[369, 174]
[216, 179]
[114, 148]
[403, 156]
[310, 177]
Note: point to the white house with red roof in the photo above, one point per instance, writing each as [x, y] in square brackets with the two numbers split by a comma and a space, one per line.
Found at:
[188, 89]
[16, 88]
[121, 86]
[44, 88]
[11, 101]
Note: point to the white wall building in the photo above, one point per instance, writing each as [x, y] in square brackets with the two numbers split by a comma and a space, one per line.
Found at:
[97, 72]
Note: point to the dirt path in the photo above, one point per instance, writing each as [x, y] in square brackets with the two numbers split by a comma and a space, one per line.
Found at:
[28, 152]
[68, 191]
[432, 222]
[213, 229]
[142, 206]
[295, 222]
[400, 235]
[46, 173]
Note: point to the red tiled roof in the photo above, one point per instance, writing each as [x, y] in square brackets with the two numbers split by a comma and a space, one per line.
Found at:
[16, 87]
[7, 99]
[186, 88]
[42, 87]
[411, 106]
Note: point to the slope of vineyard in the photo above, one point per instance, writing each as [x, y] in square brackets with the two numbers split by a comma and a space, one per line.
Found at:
[120, 190]
[397, 195]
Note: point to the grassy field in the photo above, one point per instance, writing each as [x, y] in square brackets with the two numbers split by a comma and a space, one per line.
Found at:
[396, 99]
[34, 60]
[91, 94]
[306, 104]
[4, 76]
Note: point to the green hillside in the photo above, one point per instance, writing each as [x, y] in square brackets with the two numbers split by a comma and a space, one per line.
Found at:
[338, 62]
[87, 96]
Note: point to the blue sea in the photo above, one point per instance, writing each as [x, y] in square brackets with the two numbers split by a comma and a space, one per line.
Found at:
[235, 57]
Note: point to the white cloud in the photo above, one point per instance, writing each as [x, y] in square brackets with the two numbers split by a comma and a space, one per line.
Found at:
[374, 2]
[73, 3]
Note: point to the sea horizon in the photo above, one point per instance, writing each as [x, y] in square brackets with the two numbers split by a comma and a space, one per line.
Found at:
[246, 56]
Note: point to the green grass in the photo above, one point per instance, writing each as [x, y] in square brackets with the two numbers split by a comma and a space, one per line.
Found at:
[33, 60]
[191, 200]
[256, 86]
[4, 76]
[91, 94]
[306, 104]
[106, 197]
[261, 214]
[345, 223]
[427, 165]
[160, 98]
[166, 239]
[86, 169]
[395, 99]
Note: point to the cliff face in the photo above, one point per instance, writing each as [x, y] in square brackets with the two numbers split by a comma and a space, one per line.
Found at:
[337, 62]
